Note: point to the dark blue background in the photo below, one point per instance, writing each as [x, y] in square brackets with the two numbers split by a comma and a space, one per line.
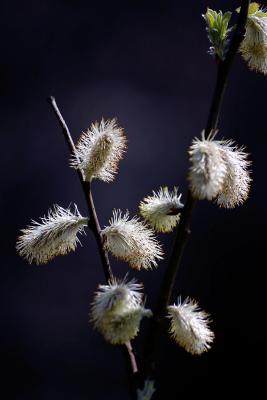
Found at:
[145, 63]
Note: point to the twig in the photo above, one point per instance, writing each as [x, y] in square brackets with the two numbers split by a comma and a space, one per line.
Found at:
[183, 231]
[93, 219]
[132, 356]
[93, 223]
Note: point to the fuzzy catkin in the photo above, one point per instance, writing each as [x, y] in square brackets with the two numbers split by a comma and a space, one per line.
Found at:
[219, 171]
[189, 326]
[99, 151]
[208, 168]
[236, 185]
[131, 240]
[117, 310]
[161, 210]
[254, 45]
[55, 235]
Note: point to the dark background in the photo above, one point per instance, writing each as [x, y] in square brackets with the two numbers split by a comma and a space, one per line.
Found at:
[147, 64]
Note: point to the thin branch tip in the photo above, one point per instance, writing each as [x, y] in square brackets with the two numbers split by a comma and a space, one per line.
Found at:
[51, 99]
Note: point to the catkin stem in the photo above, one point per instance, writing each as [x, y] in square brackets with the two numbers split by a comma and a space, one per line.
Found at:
[183, 230]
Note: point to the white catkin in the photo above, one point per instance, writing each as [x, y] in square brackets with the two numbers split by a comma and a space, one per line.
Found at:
[254, 46]
[99, 151]
[115, 297]
[208, 168]
[237, 181]
[161, 210]
[117, 310]
[219, 171]
[189, 326]
[131, 240]
[55, 235]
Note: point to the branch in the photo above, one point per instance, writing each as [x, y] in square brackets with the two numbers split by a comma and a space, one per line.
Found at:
[93, 223]
[183, 231]
[93, 219]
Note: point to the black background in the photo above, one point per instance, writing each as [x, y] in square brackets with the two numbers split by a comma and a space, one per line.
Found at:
[147, 64]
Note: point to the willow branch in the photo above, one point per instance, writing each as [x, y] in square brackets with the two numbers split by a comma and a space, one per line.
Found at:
[183, 231]
[86, 186]
[93, 223]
